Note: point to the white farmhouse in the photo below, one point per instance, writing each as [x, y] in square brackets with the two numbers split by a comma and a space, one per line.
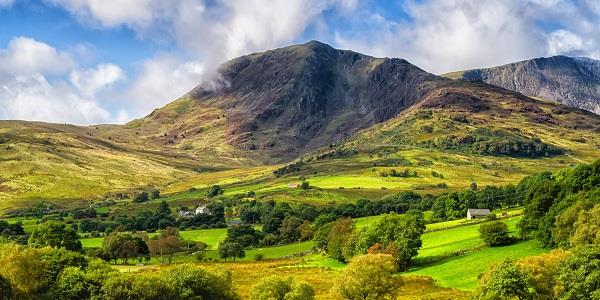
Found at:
[202, 209]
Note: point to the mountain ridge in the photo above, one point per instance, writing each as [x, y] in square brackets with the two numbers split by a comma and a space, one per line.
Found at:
[574, 81]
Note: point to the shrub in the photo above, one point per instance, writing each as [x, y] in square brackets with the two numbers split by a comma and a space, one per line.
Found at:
[368, 276]
[494, 233]
[277, 288]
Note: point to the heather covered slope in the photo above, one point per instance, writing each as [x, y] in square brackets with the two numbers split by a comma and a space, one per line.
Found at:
[572, 81]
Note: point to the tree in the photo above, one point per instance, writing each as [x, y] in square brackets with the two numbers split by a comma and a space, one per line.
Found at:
[494, 233]
[141, 197]
[55, 234]
[23, 268]
[214, 191]
[587, 228]
[72, 285]
[124, 246]
[289, 231]
[163, 208]
[306, 231]
[305, 185]
[230, 249]
[542, 271]
[192, 282]
[168, 242]
[402, 230]
[272, 225]
[579, 276]
[504, 281]
[369, 277]
[277, 288]
[337, 237]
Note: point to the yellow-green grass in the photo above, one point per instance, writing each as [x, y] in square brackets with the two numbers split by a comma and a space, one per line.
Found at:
[462, 271]
[463, 238]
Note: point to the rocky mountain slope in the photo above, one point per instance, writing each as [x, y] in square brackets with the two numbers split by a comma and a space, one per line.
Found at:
[572, 81]
[286, 102]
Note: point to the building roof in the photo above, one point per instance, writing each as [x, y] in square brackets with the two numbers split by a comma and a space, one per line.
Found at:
[479, 211]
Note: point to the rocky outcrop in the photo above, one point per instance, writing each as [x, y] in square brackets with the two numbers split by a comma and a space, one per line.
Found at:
[569, 80]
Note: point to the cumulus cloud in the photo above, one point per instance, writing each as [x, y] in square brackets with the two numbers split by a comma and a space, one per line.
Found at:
[90, 81]
[26, 93]
[161, 80]
[32, 97]
[448, 35]
[25, 55]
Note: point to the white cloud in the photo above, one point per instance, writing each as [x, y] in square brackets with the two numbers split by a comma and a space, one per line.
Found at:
[563, 41]
[32, 97]
[161, 80]
[25, 55]
[113, 13]
[89, 81]
[27, 93]
[450, 35]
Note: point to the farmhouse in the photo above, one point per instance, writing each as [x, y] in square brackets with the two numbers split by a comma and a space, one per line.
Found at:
[202, 209]
[293, 185]
[477, 213]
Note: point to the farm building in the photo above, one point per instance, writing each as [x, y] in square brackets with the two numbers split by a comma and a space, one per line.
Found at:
[477, 213]
[293, 185]
[202, 209]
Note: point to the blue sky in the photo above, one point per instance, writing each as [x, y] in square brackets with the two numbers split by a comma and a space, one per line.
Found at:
[109, 61]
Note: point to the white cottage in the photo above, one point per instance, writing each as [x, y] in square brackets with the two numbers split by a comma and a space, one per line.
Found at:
[202, 209]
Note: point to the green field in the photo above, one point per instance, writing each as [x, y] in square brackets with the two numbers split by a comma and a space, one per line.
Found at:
[462, 272]
[443, 242]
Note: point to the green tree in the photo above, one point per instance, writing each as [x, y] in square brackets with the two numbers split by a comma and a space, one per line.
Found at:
[278, 288]
[233, 250]
[289, 231]
[494, 233]
[505, 281]
[124, 246]
[55, 234]
[214, 191]
[368, 277]
[402, 230]
[587, 228]
[24, 270]
[579, 276]
[192, 282]
[72, 284]
[340, 233]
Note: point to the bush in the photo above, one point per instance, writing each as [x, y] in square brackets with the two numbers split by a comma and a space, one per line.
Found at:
[259, 257]
[494, 233]
[368, 276]
[277, 288]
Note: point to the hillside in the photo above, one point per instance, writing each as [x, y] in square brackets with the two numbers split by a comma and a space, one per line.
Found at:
[572, 81]
[344, 119]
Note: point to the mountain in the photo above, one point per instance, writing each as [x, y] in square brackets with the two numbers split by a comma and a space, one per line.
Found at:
[331, 115]
[573, 81]
[289, 101]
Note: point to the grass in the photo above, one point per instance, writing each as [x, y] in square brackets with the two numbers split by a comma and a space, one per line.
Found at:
[462, 238]
[462, 272]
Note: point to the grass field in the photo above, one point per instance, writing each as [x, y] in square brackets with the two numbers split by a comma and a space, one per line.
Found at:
[461, 272]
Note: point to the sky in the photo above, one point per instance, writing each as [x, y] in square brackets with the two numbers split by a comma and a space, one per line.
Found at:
[111, 61]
